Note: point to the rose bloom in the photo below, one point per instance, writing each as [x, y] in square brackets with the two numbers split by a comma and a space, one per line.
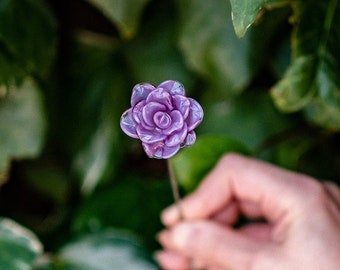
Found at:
[162, 117]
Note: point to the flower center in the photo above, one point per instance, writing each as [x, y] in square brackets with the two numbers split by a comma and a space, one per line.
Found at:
[162, 120]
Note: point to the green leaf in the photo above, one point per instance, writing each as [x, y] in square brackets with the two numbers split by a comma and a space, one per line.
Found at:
[296, 89]
[131, 208]
[193, 163]
[19, 247]
[251, 118]
[244, 13]
[124, 13]
[210, 47]
[22, 122]
[324, 109]
[31, 46]
[11, 74]
[105, 251]
[157, 59]
[311, 82]
[93, 103]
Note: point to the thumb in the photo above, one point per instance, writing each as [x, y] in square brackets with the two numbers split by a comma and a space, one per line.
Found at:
[214, 244]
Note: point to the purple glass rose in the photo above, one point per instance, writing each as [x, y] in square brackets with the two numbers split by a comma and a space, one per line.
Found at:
[162, 117]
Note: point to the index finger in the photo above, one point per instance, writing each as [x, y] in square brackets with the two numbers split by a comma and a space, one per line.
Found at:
[275, 191]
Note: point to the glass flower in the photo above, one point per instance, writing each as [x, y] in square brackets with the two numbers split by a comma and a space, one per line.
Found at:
[162, 117]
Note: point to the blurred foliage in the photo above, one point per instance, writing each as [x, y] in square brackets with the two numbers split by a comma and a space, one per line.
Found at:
[67, 68]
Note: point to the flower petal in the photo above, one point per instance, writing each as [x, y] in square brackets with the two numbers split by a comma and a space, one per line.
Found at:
[177, 122]
[127, 124]
[177, 137]
[140, 92]
[195, 116]
[137, 111]
[162, 96]
[159, 150]
[174, 87]
[149, 136]
[182, 104]
[190, 139]
[149, 110]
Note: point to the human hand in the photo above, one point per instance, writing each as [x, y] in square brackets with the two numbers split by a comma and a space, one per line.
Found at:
[300, 227]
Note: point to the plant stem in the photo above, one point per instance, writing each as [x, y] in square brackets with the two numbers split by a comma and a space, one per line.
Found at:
[175, 190]
[177, 199]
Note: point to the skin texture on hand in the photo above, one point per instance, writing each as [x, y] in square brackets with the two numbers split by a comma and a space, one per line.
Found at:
[297, 221]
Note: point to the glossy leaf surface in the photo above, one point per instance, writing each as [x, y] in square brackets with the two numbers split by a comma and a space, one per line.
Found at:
[19, 247]
[23, 123]
[244, 13]
[310, 81]
[28, 38]
[214, 51]
[192, 164]
[104, 251]
[124, 13]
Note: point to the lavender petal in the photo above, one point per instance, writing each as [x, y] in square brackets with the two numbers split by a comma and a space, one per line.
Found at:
[177, 138]
[174, 87]
[190, 139]
[182, 104]
[149, 136]
[195, 116]
[159, 150]
[161, 96]
[149, 110]
[177, 122]
[127, 124]
[140, 92]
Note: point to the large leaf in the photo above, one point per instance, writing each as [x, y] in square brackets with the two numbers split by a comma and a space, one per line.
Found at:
[10, 74]
[92, 106]
[244, 12]
[157, 59]
[27, 34]
[251, 118]
[22, 122]
[124, 13]
[311, 81]
[134, 204]
[105, 251]
[210, 46]
[193, 163]
[19, 247]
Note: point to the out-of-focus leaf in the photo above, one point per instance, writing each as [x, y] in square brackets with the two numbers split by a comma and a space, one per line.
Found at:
[91, 111]
[10, 74]
[136, 201]
[210, 46]
[124, 13]
[311, 81]
[157, 59]
[324, 109]
[22, 122]
[19, 246]
[28, 34]
[250, 118]
[193, 163]
[296, 88]
[244, 12]
[105, 251]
